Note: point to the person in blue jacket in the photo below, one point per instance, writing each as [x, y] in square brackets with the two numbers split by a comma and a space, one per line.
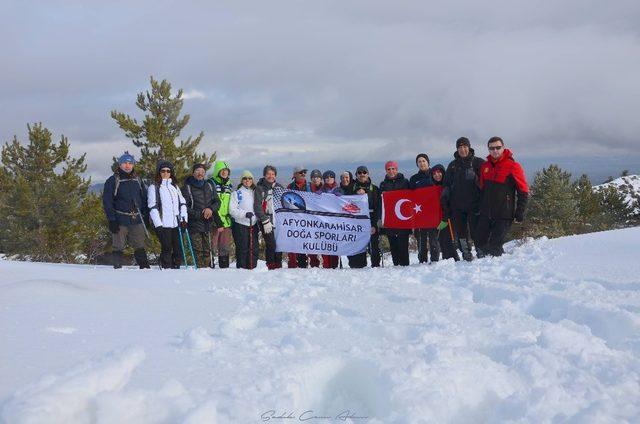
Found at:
[124, 199]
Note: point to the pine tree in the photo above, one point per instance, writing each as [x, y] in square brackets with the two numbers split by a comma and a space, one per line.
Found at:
[156, 136]
[618, 213]
[43, 198]
[552, 208]
[589, 217]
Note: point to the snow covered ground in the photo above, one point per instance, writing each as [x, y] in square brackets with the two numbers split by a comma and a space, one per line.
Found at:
[549, 333]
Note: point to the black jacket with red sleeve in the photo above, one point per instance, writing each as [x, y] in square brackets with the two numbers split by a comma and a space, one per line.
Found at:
[499, 181]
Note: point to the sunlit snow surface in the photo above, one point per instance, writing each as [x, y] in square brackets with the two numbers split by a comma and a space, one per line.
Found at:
[549, 332]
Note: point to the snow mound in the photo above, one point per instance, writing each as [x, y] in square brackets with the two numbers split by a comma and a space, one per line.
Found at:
[197, 340]
[71, 397]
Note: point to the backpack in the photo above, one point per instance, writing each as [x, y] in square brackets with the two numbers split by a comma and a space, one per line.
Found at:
[116, 176]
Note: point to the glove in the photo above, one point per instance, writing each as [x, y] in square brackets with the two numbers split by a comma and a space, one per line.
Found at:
[268, 228]
[442, 225]
[114, 227]
[183, 224]
[249, 215]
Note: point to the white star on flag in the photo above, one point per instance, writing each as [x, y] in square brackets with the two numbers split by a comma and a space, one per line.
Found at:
[417, 208]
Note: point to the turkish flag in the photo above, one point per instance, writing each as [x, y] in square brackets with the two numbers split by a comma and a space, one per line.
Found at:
[410, 209]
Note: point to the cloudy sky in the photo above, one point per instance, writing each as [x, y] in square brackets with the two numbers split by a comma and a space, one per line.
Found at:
[316, 82]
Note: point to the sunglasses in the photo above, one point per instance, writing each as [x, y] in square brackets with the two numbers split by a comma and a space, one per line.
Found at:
[496, 148]
[246, 178]
[391, 169]
[165, 171]
[362, 172]
[302, 173]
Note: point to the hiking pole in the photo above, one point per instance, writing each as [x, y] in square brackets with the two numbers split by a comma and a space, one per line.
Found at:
[210, 251]
[193, 256]
[251, 243]
[184, 255]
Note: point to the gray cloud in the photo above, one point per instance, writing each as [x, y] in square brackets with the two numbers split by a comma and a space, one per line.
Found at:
[292, 81]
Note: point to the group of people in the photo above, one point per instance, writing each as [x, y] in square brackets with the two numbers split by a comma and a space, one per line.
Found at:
[480, 200]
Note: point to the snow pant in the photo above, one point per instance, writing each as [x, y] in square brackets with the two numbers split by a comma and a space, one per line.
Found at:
[490, 235]
[360, 260]
[314, 261]
[246, 239]
[399, 245]
[170, 250]
[135, 236]
[273, 258]
[464, 224]
[201, 243]
[330, 261]
[221, 245]
[296, 260]
[447, 245]
[428, 243]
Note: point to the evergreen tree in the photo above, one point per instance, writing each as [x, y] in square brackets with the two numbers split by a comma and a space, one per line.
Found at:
[625, 173]
[156, 135]
[618, 213]
[589, 216]
[43, 200]
[552, 208]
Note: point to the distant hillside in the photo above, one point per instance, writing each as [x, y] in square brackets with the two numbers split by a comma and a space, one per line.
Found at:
[629, 185]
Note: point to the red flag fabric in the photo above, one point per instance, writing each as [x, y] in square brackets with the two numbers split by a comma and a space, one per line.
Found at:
[410, 209]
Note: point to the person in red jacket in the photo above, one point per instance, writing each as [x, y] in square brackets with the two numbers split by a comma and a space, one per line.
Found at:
[501, 178]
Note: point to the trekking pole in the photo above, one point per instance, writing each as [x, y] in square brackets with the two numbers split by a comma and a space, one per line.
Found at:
[210, 251]
[184, 255]
[250, 243]
[450, 230]
[193, 256]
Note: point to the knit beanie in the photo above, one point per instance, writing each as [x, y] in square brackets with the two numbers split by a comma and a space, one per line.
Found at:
[391, 163]
[423, 155]
[463, 141]
[126, 157]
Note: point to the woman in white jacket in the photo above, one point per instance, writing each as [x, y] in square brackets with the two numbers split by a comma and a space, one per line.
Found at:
[167, 210]
[245, 231]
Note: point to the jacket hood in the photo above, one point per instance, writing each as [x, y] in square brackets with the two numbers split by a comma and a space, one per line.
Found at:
[472, 153]
[217, 167]
[506, 155]
[436, 167]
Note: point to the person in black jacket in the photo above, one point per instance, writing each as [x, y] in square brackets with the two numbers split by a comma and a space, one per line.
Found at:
[124, 199]
[263, 209]
[346, 183]
[445, 230]
[398, 238]
[427, 238]
[461, 195]
[363, 185]
[202, 204]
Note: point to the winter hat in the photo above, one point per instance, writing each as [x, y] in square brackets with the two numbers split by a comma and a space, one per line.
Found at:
[463, 141]
[391, 163]
[269, 168]
[362, 168]
[299, 168]
[164, 164]
[246, 174]
[198, 165]
[316, 173]
[328, 174]
[126, 157]
[423, 155]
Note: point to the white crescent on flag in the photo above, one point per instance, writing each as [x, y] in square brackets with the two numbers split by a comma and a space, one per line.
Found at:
[399, 204]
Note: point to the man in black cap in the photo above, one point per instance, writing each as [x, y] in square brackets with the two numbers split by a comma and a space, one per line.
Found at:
[363, 185]
[461, 194]
[202, 204]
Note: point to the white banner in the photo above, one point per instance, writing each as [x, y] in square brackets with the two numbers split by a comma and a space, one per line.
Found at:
[323, 223]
